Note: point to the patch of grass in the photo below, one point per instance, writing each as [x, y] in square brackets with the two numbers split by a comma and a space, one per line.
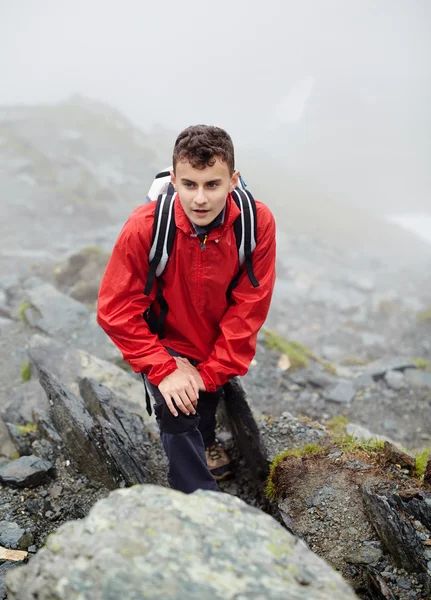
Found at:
[422, 363]
[421, 461]
[27, 428]
[354, 361]
[307, 450]
[24, 306]
[424, 315]
[337, 426]
[370, 446]
[26, 372]
[329, 367]
[298, 353]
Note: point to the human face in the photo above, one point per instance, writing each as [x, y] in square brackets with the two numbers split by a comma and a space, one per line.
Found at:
[203, 192]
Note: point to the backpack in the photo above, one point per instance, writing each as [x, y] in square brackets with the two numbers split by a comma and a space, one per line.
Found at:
[164, 229]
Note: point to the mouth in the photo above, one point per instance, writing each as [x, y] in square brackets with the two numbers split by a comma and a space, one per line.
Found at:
[200, 211]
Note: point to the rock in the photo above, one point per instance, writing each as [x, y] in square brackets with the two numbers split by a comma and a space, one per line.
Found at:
[365, 555]
[418, 378]
[7, 447]
[342, 393]
[106, 444]
[66, 320]
[70, 365]
[26, 398]
[27, 471]
[80, 275]
[427, 474]
[244, 429]
[320, 380]
[395, 380]
[51, 311]
[126, 544]
[362, 433]
[399, 457]
[396, 533]
[378, 368]
[10, 534]
[333, 353]
[363, 381]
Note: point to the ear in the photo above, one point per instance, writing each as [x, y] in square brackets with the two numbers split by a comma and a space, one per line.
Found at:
[234, 181]
[173, 180]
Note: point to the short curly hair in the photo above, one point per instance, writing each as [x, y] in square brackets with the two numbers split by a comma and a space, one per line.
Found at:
[201, 145]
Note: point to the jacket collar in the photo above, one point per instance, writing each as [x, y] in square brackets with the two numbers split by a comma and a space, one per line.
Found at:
[184, 223]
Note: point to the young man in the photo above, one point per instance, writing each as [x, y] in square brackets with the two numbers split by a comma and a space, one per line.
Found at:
[210, 336]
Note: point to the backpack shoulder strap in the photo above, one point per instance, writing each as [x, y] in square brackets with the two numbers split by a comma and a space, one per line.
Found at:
[163, 236]
[245, 228]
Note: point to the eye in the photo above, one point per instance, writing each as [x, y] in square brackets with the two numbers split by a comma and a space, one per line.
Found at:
[212, 184]
[189, 185]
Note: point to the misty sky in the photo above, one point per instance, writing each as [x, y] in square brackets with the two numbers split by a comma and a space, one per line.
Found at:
[230, 62]
[337, 90]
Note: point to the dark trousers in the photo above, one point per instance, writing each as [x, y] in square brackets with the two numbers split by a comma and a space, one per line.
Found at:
[185, 438]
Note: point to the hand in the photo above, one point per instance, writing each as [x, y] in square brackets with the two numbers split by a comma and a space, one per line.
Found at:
[183, 389]
[184, 365]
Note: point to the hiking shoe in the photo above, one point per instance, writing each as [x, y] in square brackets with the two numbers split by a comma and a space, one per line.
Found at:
[218, 462]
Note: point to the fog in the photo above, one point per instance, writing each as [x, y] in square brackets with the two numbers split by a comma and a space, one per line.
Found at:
[339, 92]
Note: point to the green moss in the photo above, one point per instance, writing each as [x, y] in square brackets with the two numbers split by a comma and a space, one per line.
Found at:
[27, 428]
[26, 372]
[298, 353]
[303, 451]
[421, 461]
[422, 363]
[425, 315]
[24, 306]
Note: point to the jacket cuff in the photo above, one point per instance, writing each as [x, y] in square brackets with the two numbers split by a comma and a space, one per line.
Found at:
[168, 368]
[209, 384]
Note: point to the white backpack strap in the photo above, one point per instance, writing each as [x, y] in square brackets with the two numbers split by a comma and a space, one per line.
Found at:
[163, 236]
[245, 228]
[160, 185]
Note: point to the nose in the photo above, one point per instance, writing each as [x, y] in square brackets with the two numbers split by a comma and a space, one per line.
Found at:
[200, 198]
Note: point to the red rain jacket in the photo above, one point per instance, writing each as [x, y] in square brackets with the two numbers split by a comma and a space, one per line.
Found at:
[200, 323]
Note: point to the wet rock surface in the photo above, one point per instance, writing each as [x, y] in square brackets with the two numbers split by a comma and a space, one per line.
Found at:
[126, 530]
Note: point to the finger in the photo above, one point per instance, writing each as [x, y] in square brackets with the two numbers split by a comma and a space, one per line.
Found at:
[170, 404]
[186, 401]
[195, 388]
[179, 404]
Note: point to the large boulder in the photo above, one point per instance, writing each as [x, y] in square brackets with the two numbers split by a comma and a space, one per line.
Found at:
[158, 543]
[71, 365]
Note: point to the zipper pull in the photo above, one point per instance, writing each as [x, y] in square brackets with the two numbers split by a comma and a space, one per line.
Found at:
[203, 242]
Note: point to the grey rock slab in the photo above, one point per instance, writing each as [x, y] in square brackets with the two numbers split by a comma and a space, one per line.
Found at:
[132, 544]
[26, 398]
[365, 555]
[321, 380]
[66, 320]
[379, 367]
[53, 312]
[342, 392]
[362, 433]
[363, 381]
[7, 447]
[395, 380]
[70, 365]
[418, 378]
[27, 471]
[10, 534]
